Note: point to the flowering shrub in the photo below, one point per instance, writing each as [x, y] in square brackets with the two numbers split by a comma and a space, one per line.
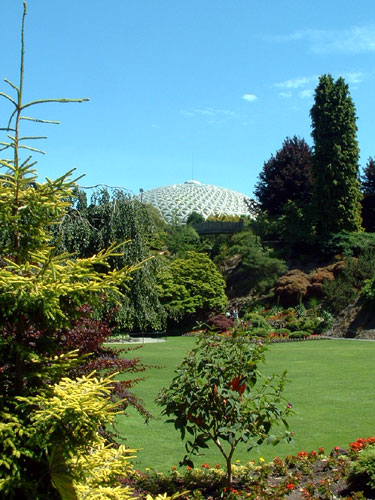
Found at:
[362, 443]
[219, 395]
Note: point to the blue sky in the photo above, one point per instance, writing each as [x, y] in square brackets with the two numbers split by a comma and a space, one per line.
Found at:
[207, 89]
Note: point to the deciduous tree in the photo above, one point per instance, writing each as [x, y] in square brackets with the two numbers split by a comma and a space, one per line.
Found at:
[219, 395]
[191, 286]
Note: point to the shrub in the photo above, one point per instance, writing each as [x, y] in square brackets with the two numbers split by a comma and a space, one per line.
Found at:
[220, 323]
[256, 320]
[343, 290]
[348, 244]
[298, 334]
[284, 331]
[292, 287]
[362, 470]
[259, 332]
[219, 395]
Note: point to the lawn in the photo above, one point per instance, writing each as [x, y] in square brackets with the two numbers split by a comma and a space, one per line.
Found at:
[331, 389]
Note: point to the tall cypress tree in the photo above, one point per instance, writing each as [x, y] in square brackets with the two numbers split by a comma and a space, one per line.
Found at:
[336, 196]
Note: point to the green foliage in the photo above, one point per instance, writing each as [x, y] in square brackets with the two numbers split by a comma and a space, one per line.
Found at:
[348, 244]
[368, 292]
[224, 218]
[368, 201]
[48, 434]
[258, 269]
[195, 217]
[336, 194]
[257, 320]
[87, 229]
[368, 177]
[219, 395]
[362, 470]
[192, 285]
[356, 276]
[182, 239]
[46, 422]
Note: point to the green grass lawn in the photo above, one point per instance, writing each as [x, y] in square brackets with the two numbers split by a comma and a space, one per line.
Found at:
[331, 388]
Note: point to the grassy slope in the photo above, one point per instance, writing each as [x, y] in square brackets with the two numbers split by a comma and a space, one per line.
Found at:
[331, 390]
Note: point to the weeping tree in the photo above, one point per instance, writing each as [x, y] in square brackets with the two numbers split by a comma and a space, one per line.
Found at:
[116, 217]
[336, 194]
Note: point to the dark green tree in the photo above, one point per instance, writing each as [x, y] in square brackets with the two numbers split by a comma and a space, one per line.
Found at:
[195, 218]
[183, 238]
[368, 201]
[256, 269]
[336, 193]
[286, 177]
[284, 194]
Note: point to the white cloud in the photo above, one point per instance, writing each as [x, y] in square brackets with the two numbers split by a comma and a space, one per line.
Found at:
[249, 97]
[285, 95]
[295, 83]
[306, 93]
[354, 77]
[211, 115]
[354, 40]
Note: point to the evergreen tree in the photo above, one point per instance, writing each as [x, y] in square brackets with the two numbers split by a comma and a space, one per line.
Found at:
[368, 177]
[336, 193]
[285, 177]
[50, 424]
[368, 190]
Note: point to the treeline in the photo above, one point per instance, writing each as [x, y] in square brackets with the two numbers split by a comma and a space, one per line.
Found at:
[311, 204]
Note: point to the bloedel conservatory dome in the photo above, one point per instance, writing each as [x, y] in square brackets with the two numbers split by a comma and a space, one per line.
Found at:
[178, 201]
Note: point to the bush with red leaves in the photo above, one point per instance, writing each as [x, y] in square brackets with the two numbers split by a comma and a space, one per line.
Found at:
[220, 323]
[88, 336]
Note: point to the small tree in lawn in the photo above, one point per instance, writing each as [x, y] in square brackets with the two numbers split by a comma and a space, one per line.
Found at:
[219, 395]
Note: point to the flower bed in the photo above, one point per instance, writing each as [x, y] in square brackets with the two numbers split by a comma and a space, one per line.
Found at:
[308, 476]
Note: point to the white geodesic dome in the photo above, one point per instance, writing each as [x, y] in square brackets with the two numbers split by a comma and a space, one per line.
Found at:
[178, 201]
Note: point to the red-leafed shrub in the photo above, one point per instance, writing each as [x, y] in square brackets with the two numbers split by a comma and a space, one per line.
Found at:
[220, 323]
[88, 336]
[292, 287]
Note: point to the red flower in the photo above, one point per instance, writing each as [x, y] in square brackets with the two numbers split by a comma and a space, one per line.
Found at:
[206, 466]
[290, 486]
[302, 454]
[236, 386]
